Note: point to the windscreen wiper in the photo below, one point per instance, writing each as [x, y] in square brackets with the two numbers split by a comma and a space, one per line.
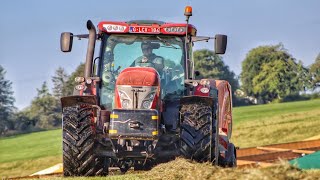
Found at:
[166, 42]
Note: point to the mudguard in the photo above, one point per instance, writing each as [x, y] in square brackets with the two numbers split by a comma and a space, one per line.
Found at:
[87, 100]
[207, 100]
[225, 106]
[73, 100]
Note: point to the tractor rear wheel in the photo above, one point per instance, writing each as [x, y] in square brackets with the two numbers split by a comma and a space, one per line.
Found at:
[79, 143]
[196, 141]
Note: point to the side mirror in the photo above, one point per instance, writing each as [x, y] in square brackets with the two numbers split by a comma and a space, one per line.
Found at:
[66, 40]
[220, 44]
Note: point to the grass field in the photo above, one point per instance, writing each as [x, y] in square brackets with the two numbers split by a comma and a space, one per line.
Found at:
[26, 154]
[253, 126]
[276, 123]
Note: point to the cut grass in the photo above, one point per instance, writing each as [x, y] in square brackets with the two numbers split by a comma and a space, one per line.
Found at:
[27, 167]
[253, 126]
[186, 169]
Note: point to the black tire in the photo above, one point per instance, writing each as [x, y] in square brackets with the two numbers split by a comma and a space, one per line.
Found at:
[79, 143]
[233, 162]
[143, 166]
[196, 141]
[232, 159]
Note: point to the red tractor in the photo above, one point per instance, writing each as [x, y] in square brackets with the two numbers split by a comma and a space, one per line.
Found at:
[139, 102]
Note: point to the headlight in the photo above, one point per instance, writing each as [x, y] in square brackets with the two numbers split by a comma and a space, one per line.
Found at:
[195, 84]
[123, 95]
[125, 103]
[204, 90]
[79, 79]
[124, 99]
[88, 81]
[146, 104]
[151, 96]
[204, 82]
[80, 87]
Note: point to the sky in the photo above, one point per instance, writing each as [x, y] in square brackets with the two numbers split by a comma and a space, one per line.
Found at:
[30, 31]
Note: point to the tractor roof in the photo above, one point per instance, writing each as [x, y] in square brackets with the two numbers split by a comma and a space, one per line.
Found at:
[146, 27]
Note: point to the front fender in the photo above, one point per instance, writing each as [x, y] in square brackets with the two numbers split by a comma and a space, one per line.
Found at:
[189, 99]
[73, 100]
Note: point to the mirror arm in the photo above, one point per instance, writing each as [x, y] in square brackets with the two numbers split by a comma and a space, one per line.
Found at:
[201, 38]
[80, 36]
[84, 36]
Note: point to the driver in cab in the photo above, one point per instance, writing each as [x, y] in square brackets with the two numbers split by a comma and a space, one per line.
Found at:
[149, 59]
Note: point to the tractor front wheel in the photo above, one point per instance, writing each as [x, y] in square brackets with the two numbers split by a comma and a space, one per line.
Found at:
[79, 143]
[198, 129]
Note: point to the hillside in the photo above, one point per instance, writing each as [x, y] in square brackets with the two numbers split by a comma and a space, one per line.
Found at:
[253, 126]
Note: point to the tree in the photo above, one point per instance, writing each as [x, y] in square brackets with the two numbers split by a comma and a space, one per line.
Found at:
[304, 77]
[6, 102]
[44, 91]
[44, 110]
[276, 80]
[59, 81]
[212, 66]
[70, 84]
[253, 62]
[315, 72]
[270, 72]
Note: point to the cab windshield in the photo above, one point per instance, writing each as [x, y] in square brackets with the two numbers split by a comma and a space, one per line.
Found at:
[123, 51]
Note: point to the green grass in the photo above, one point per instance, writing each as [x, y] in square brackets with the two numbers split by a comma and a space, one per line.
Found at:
[30, 146]
[256, 112]
[276, 123]
[253, 126]
[25, 154]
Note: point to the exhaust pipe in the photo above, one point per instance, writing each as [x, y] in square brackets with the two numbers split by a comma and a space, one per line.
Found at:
[90, 50]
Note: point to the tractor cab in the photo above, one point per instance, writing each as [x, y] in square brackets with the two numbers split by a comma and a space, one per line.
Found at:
[143, 68]
[121, 52]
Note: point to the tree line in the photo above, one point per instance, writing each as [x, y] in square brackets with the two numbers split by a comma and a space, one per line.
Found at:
[44, 112]
[269, 74]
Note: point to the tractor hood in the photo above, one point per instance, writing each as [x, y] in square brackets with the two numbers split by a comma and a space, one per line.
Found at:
[137, 88]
